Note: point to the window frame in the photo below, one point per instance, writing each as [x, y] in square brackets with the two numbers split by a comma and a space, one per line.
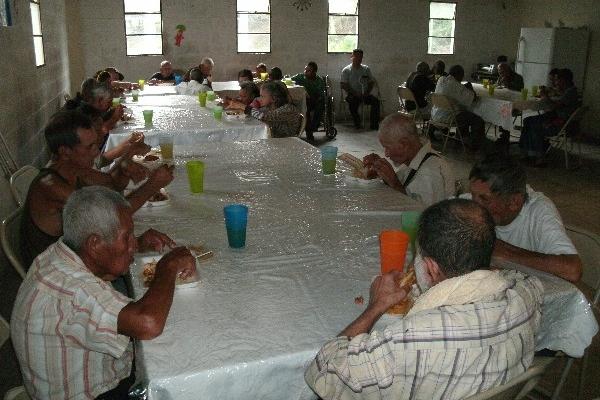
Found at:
[453, 37]
[41, 35]
[338, 34]
[162, 45]
[237, 32]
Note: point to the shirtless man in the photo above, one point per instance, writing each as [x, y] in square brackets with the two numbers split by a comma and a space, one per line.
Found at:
[73, 144]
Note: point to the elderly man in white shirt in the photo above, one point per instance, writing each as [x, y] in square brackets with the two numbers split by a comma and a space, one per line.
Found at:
[463, 95]
[529, 229]
[423, 174]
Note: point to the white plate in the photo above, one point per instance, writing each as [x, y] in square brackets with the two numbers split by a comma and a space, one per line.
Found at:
[161, 203]
[191, 282]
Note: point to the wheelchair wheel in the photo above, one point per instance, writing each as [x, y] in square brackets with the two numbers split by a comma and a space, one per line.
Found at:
[331, 132]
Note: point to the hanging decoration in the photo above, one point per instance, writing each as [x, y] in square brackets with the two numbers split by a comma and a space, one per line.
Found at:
[179, 35]
[302, 5]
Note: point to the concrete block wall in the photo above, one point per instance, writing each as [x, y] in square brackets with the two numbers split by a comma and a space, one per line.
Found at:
[393, 35]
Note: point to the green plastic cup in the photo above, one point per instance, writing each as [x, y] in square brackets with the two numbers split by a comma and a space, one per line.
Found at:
[534, 90]
[148, 117]
[218, 113]
[328, 158]
[524, 93]
[410, 225]
[135, 95]
[211, 96]
[195, 172]
[491, 88]
[116, 101]
[166, 147]
[202, 99]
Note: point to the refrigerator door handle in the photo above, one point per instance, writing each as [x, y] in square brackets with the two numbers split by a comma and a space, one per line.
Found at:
[519, 59]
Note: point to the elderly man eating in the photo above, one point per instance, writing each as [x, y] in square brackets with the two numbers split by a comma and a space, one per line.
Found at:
[71, 330]
[73, 144]
[471, 330]
[529, 229]
[423, 174]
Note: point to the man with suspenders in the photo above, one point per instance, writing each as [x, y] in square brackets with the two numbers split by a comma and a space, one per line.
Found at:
[422, 174]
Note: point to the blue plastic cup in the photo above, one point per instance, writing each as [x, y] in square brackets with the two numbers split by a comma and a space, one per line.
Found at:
[328, 157]
[236, 219]
[178, 79]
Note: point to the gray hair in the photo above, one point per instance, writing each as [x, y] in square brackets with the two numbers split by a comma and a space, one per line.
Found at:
[165, 62]
[207, 61]
[92, 210]
[397, 126]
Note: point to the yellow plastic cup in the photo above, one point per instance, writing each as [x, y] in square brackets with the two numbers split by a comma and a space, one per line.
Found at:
[141, 82]
[534, 91]
[264, 76]
[491, 88]
[195, 172]
[485, 83]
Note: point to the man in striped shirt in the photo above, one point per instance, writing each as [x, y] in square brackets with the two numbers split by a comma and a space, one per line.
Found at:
[472, 329]
[71, 330]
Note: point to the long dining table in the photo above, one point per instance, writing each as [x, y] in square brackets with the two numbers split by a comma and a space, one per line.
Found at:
[497, 109]
[181, 117]
[260, 314]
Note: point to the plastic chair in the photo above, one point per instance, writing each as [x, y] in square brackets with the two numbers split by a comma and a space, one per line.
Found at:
[588, 247]
[404, 95]
[20, 182]
[302, 124]
[444, 103]
[564, 138]
[10, 235]
[518, 387]
[17, 393]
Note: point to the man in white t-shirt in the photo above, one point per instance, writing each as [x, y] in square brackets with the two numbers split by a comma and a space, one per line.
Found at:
[529, 229]
[357, 81]
[470, 125]
[423, 174]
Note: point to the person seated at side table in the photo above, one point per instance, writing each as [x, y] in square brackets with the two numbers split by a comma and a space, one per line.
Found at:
[512, 81]
[206, 66]
[463, 96]
[274, 108]
[261, 68]
[423, 174]
[164, 75]
[537, 128]
[73, 145]
[245, 75]
[472, 328]
[248, 92]
[276, 74]
[196, 84]
[68, 315]
[529, 229]
[420, 84]
[315, 97]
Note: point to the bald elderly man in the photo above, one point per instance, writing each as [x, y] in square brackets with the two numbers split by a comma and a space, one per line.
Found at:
[422, 173]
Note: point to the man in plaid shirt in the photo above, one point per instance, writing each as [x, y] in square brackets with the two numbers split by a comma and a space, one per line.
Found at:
[470, 330]
[71, 330]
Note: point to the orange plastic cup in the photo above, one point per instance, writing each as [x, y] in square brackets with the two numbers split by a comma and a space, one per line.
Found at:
[392, 250]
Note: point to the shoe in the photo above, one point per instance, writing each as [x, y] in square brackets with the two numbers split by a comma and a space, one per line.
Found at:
[310, 137]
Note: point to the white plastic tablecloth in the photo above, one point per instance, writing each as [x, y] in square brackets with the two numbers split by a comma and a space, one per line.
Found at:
[182, 117]
[497, 109]
[157, 90]
[261, 313]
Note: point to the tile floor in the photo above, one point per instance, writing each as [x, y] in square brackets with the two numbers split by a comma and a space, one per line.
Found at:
[575, 192]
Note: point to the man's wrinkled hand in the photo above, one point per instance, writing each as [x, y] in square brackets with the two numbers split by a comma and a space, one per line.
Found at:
[179, 259]
[161, 176]
[370, 159]
[385, 291]
[385, 171]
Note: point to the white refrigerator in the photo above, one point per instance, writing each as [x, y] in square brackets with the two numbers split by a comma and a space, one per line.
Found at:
[541, 49]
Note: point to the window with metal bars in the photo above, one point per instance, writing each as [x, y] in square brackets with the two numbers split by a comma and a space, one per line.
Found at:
[342, 32]
[253, 26]
[442, 22]
[143, 27]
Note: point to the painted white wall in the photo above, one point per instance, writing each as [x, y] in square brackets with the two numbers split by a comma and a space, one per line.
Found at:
[393, 35]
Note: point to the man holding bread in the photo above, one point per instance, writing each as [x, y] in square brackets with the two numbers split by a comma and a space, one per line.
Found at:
[422, 174]
[470, 330]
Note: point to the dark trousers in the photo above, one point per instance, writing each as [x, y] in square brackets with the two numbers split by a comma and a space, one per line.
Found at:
[471, 125]
[121, 392]
[354, 102]
[535, 131]
[314, 112]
